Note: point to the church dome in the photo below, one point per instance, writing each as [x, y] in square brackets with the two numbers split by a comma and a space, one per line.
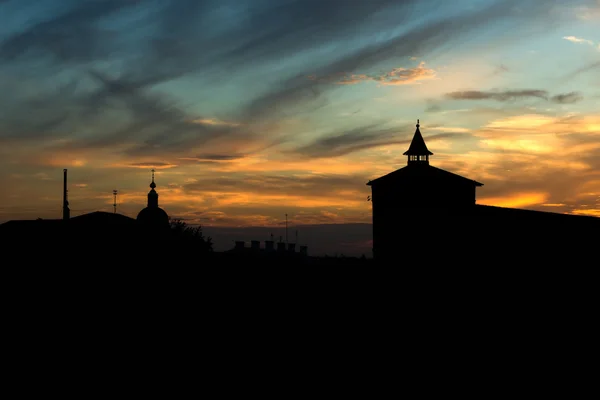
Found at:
[153, 216]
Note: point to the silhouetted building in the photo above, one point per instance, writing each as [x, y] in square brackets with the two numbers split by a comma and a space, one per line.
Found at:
[153, 219]
[304, 250]
[422, 213]
[97, 230]
[269, 245]
[267, 255]
[81, 240]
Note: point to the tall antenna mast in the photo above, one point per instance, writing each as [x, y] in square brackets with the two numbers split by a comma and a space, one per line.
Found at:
[115, 201]
[286, 229]
[66, 211]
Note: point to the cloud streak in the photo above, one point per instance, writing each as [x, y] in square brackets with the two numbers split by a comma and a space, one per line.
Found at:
[363, 138]
[171, 40]
[578, 40]
[513, 95]
[395, 77]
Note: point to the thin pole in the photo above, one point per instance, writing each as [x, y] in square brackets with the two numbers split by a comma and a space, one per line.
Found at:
[66, 211]
[286, 229]
[115, 202]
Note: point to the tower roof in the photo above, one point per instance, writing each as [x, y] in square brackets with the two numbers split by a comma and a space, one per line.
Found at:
[417, 146]
[426, 173]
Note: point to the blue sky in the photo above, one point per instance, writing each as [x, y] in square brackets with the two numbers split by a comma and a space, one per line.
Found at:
[251, 109]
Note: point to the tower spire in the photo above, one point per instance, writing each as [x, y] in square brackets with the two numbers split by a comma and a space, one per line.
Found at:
[152, 195]
[417, 152]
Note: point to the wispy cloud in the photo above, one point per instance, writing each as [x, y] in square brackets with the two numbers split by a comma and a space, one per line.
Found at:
[215, 93]
[149, 165]
[574, 39]
[506, 95]
[589, 12]
[213, 158]
[513, 95]
[397, 76]
[365, 137]
[117, 102]
[567, 98]
[213, 121]
[450, 129]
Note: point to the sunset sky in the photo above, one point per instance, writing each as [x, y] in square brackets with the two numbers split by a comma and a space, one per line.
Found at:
[251, 109]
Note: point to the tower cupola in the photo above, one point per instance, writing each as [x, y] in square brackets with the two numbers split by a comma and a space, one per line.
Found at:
[417, 152]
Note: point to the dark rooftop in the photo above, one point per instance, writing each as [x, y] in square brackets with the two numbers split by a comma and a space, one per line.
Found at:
[422, 172]
[417, 146]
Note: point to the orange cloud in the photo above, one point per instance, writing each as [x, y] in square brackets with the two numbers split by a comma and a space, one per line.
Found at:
[517, 200]
[590, 188]
[339, 165]
[540, 141]
[526, 144]
[592, 212]
[147, 165]
[64, 161]
[526, 122]
[449, 129]
[405, 76]
[530, 160]
[223, 199]
[397, 76]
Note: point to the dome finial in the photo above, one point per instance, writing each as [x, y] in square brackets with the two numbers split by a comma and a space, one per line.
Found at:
[418, 123]
[152, 184]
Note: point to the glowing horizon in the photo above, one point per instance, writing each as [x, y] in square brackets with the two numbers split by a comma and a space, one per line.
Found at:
[249, 113]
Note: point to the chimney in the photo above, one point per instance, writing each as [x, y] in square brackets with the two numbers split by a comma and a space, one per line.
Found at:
[292, 247]
[281, 246]
[304, 250]
[269, 245]
[255, 245]
[66, 211]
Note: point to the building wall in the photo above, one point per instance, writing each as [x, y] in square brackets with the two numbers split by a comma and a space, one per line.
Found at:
[401, 210]
[412, 193]
[480, 234]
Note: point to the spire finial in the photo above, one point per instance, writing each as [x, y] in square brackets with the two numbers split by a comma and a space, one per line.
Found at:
[418, 124]
[152, 185]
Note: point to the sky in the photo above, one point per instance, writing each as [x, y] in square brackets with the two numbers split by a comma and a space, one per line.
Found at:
[253, 109]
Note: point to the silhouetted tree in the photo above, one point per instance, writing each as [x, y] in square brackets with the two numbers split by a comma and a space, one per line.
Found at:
[184, 233]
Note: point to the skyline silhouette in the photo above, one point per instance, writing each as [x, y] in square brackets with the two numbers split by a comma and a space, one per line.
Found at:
[249, 114]
[406, 204]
